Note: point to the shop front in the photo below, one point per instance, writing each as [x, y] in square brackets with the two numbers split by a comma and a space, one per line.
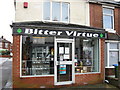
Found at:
[57, 54]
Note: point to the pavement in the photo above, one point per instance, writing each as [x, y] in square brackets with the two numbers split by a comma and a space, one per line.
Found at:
[5, 73]
[2, 60]
[97, 86]
[102, 86]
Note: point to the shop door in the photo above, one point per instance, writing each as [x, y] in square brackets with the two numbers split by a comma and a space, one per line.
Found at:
[64, 64]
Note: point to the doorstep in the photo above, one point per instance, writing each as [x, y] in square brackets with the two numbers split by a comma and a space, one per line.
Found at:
[112, 80]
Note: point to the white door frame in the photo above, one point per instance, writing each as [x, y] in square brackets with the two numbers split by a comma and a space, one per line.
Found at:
[63, 40]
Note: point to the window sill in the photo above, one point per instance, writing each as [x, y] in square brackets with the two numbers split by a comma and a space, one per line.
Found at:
[36, 76]
[66, 22]
[110, 67]
[88, 73]
[110, 30]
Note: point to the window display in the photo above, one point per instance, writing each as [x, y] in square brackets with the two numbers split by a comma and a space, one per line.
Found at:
[86, 55]
[38, 56]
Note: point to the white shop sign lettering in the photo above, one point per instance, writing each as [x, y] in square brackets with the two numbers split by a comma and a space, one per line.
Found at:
[60, 33]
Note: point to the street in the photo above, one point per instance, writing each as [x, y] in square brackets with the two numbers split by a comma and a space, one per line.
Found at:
[5, 72]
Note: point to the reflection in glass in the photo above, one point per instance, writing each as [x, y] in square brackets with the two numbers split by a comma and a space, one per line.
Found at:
[64, 54]
[108, 18]
[107, 11]
[67, 76]
[108, 22]
[113, 45]
[55, 11]
[86, 55]
[37, 55]
[113, 55]
[46, 13]
[65, 11]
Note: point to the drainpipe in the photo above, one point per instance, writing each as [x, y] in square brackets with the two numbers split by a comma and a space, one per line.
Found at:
[119, 74]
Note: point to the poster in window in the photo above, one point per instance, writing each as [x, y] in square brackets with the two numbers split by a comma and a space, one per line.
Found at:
[66, 56]
[66, 50]
[61, 57]
[62, 69]
[61, 50]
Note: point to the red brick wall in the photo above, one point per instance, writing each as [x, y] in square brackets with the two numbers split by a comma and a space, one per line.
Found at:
[109, 71]
[16, 60]
[96, 15]
[36, 82]
[85, 79]
[102, 53]
[117, 19]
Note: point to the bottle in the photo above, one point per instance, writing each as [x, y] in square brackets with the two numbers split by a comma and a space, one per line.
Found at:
[81, 63]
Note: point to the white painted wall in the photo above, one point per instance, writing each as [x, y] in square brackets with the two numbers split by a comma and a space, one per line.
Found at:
[79, 11]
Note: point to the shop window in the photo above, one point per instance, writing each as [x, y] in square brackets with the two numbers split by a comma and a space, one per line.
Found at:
[37, 56]
[112, 54]
[86, 55]
[108, 19]
[56, 11]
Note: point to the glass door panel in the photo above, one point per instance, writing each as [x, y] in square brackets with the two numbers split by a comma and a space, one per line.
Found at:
[64, 62]
[64, 73]
[64, 55]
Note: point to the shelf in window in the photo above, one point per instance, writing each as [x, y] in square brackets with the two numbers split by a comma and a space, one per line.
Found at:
[40, 58]
[42, 62]
[83, 66]
[40, 68]
[36, 68]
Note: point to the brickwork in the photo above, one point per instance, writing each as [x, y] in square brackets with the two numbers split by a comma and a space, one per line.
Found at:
[117, 20]
[85, 79]
[109, 71]
[96, 15]
[16, 59]
[102, 54]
